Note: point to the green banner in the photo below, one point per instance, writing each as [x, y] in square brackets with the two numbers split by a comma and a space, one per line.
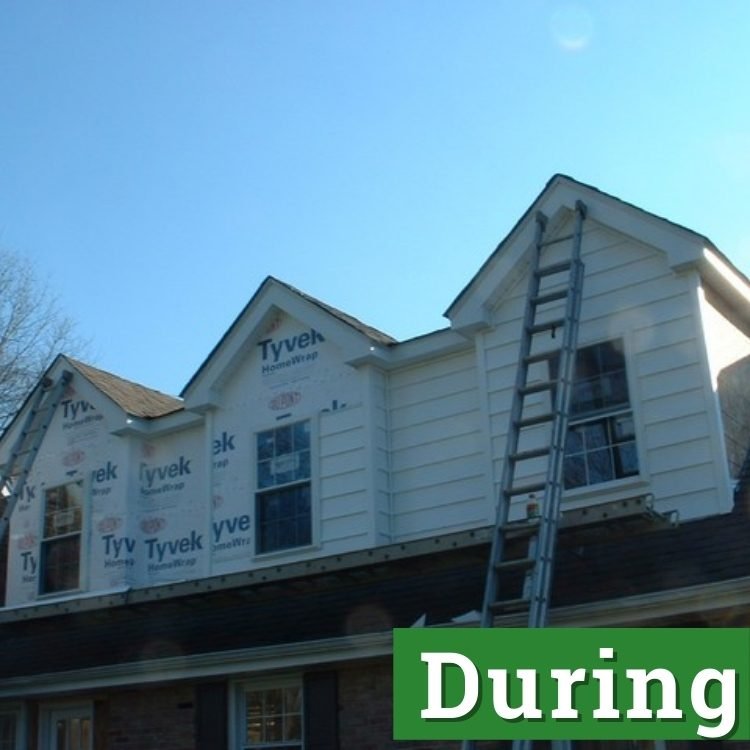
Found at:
[576, 683]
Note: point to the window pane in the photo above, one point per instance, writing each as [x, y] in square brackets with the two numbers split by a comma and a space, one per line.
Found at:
[626, 459]
[7, 732]
[614, 389]
[61, 731]
[265, 445]
[273, 702]
[624, 428]
[85, 734]
[301, 436]
[63, 510]
[283, 440]
[574, 440]
[587, 362]
[284, 518]
[599, 465]
[611, 356]
[575, 472]
[273, 729]
[292, 728]
[60, 564]
[303, 466]
[265, 476]
[293, 700]
[596, 435]
[284, 468]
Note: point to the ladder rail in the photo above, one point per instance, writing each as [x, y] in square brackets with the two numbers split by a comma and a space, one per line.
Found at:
[552, 506]
[511, 444]
[539, 561]
[14, 476]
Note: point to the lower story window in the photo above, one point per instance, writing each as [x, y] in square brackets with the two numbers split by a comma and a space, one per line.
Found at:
[271, 717]
[67, 728]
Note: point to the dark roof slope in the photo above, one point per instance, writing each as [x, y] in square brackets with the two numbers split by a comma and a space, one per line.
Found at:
[135, 399]
[372, 333]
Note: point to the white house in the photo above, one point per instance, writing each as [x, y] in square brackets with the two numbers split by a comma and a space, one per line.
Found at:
[309, 444]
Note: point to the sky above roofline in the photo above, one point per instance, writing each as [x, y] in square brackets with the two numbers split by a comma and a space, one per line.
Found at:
[159, 160]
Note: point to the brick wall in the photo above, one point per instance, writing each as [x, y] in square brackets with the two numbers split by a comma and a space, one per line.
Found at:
[149, 719]
[366, 712]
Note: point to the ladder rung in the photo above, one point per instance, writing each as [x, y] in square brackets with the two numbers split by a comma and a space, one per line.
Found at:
[541, 357]
[554, 268]
[521, 563]
[527, 489]
[557, 240]
[510, 605]
[520, 529]
[543, 385]
[533, 421]
[549, 325]
[543, 299]
[528, 455]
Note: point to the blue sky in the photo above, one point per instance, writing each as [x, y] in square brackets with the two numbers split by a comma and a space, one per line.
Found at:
[158, 159]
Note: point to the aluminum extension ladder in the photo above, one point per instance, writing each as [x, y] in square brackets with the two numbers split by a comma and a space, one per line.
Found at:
[45, 401]
[547, 285]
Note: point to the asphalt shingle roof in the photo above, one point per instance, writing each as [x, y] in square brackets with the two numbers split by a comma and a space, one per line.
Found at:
[135, 399]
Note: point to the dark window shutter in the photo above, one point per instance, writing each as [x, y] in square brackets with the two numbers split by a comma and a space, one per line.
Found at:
[321, 711]
[211, 716]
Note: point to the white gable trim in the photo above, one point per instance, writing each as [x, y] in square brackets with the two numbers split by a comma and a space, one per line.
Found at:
[684, 248]
[249, 329]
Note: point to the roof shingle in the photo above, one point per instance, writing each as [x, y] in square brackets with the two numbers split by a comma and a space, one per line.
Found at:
[135, 399]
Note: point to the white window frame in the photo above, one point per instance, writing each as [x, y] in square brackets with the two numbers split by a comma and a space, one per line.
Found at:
[310, 481]
[640, 477]
[238, 719]
[50, 713]
[82, 539]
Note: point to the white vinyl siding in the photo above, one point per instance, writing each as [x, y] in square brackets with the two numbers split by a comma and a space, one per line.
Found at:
[344, 511]
[629, 292]
[437, 455]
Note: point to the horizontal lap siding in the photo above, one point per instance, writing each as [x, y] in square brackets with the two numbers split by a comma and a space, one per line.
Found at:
[344, 510]
[437, 455]
[629, 293]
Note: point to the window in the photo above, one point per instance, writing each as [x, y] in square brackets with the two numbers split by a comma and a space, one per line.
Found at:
[67, 728]
[282, 503]
[8, 730]
[600, 444]
[61, 538]
[271, 717]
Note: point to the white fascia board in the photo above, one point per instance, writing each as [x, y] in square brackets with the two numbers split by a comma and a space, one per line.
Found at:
[176, 422]
[437, 344]
[726, 281]
[682, 247]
